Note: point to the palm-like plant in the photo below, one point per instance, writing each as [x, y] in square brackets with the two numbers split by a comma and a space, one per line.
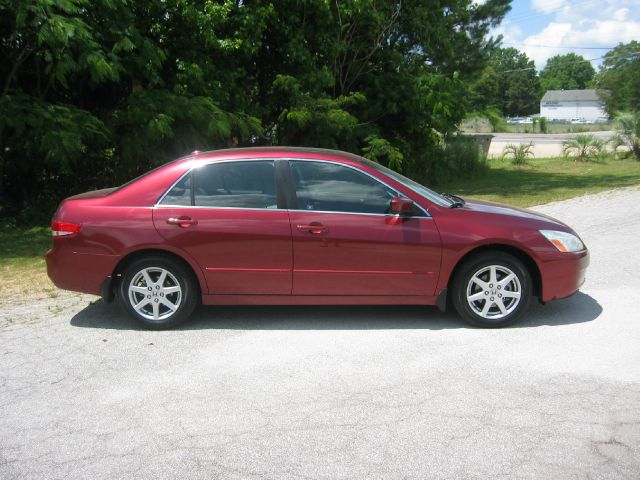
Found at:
[583, 147]
[627, 126]
[518, 152]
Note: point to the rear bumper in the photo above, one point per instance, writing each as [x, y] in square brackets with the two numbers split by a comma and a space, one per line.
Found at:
[563, 275]
[79, 272]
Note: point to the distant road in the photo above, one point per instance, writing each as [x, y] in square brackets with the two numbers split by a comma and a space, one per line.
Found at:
[545, 145]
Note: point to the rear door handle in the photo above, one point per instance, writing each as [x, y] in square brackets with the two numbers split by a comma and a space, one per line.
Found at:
[314, 228]
[182, 222]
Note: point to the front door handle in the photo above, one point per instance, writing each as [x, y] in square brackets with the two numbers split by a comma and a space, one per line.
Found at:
[182, 222]
[314, 228]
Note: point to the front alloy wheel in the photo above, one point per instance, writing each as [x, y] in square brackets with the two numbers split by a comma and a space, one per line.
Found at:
[158, 291]
[491, 290]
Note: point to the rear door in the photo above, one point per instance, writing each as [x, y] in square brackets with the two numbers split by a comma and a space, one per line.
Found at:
[227, 216]
[345, 241]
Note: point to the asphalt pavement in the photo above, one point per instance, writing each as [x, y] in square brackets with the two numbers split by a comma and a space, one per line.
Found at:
[544, 145]
[336, 392]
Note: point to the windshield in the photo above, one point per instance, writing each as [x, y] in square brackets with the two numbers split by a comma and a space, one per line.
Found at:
[412, 184]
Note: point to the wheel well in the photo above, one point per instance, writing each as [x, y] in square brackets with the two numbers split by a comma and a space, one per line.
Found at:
[133, 256]
[528, 262]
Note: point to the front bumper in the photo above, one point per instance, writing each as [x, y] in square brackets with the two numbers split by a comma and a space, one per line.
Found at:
[563, 275]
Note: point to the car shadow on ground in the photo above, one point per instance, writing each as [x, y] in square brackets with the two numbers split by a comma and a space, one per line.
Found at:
[579, 308]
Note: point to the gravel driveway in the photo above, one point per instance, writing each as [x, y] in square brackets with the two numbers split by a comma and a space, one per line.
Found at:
[331, 393]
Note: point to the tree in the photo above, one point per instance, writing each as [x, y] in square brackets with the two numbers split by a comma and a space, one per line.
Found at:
[518, 93]
[485, 90]
[88, 100]
[566, 72]
[619, 78]
[97, 91]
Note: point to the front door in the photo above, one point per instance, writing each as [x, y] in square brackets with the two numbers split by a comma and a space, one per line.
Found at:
[346, 243]
[226, 216]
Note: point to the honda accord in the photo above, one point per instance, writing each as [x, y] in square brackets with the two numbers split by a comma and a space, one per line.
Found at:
[292, 226]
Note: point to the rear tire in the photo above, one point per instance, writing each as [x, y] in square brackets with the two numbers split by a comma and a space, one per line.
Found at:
[491, 290]
[158, 292]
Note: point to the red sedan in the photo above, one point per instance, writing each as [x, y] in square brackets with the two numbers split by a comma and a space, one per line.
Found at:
[290, 226]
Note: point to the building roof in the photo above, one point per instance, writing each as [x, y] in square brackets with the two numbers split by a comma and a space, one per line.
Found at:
[570, 96]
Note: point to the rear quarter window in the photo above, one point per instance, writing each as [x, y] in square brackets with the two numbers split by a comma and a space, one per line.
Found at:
[181, 193]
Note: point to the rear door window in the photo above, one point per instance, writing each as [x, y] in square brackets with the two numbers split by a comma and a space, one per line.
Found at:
[246, 184]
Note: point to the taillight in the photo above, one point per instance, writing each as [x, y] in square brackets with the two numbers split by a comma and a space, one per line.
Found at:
[59, 229]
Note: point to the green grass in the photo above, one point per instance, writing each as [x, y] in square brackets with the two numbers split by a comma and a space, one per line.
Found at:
[23, 247]
[22, 262]
[545, 180]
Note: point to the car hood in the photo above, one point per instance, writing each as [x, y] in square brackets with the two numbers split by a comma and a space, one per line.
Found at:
[493, 208]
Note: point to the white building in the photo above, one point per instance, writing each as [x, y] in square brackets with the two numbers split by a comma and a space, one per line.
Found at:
[583, 105]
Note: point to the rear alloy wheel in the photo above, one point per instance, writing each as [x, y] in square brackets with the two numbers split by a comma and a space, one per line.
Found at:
[158, 292]
[492, 290]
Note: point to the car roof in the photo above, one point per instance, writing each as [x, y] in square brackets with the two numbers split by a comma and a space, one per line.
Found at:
[145, 189]
[270, 152]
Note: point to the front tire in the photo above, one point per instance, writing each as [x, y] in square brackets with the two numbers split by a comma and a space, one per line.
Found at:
[158, 292]
[491, 290]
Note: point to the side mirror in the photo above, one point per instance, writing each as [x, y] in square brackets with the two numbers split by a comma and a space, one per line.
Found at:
[401, 206]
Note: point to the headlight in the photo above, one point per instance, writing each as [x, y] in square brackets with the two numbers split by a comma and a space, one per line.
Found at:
[563, 241]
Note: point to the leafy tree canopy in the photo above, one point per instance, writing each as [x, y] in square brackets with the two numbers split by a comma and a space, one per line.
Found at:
[566, 72]
[619, 77]
[94, 92]
[519, 85]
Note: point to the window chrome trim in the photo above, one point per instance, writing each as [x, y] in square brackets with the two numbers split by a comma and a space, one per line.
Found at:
[166, 192]
[390, 215]
[289, 159]
[222, 208]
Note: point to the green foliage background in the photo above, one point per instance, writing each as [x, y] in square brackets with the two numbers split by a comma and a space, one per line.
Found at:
[567, 72]
[95, 92]
[619, 78]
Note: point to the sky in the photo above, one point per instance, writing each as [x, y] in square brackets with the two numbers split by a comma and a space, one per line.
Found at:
[544, 28]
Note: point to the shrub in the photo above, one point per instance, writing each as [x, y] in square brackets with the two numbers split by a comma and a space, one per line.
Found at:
[617, 141]
[518, 152]
[543, 124]
[462, 154]
[627, 126]
[583, 147]
[498, 123]
[489, 120]
[453, 158]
